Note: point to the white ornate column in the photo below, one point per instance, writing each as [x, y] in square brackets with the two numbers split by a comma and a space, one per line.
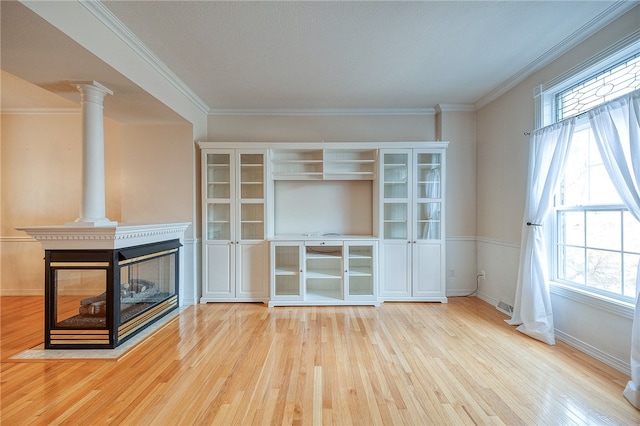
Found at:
[92, 210]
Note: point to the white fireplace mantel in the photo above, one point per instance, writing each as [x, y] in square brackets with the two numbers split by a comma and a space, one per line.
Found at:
[64, 237]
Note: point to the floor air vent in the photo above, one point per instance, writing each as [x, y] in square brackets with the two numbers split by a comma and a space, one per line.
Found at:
[505, 308]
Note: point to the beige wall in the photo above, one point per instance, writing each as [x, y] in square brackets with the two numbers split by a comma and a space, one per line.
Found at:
[328, 128]
[41, 185]
[157, 173]
[459, 128]
[502, 151]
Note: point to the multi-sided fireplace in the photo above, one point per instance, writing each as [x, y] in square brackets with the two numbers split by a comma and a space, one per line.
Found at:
[100, 298]
[105, 284]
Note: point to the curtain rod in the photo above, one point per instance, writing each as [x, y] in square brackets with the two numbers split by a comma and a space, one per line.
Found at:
[564, 119]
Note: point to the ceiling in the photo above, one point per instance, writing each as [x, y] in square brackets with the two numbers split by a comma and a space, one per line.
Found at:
[307, 56]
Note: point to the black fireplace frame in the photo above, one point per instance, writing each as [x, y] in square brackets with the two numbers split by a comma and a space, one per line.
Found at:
[114, 333]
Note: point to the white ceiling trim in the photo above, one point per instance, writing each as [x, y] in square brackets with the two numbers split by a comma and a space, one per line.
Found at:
[105, 16]
[324, 112]
[455, 108]
[596, 24]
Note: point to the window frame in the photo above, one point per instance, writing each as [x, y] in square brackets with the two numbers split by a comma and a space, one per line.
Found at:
[545, 100]
[613, 208]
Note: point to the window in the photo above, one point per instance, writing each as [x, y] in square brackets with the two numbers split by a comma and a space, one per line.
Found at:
[617, 80]
[596, 239]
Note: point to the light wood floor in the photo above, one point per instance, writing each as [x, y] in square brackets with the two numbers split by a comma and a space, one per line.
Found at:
[242, 364]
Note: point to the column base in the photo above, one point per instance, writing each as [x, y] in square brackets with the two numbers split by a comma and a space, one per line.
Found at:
[89, 223]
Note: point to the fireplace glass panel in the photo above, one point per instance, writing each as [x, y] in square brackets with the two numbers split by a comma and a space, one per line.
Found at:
[81, 298]
[146, 282]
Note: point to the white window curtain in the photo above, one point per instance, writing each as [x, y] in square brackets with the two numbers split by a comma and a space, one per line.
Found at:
[548, 151]
[616, 129]
[632, 391]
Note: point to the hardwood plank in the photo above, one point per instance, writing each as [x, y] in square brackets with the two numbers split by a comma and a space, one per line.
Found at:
[400, 363]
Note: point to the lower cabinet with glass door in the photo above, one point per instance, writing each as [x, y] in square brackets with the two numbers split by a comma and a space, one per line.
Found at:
[331, 272]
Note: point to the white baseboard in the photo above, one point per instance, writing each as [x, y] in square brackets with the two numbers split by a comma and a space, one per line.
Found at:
[490, 300]
[621, 366]
[462, 292]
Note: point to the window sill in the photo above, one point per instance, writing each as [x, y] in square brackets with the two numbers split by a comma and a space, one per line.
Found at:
[603, 303]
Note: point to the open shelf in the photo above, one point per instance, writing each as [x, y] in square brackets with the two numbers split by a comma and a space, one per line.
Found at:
[285, 270]
[326, 294]
[331, 164]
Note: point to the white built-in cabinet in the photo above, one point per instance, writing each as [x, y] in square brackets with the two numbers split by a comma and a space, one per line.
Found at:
[246, 258]
[412, 224]
[235, 250]
[328, 272]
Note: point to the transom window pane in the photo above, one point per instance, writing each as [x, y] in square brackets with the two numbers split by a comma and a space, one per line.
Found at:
[611, 83]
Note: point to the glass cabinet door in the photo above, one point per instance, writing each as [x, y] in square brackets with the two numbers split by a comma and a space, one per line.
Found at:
[428, 221]
[219, 221]
[251, 176]
[287, 270]
[360, 272]
[218, 203]
[428, 196]
[395, 192]
[251, 195]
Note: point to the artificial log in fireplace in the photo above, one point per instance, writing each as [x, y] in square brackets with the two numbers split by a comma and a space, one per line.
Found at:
[97, 299]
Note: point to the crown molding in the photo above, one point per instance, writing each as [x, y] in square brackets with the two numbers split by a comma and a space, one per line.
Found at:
[455, 108]
[109, 20]
[613, 12]
[324, 112]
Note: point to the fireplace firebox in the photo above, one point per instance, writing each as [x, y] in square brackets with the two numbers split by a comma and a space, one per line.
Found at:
[97, 299]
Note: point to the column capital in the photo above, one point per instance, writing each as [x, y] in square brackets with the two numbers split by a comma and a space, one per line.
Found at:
[91, 90]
